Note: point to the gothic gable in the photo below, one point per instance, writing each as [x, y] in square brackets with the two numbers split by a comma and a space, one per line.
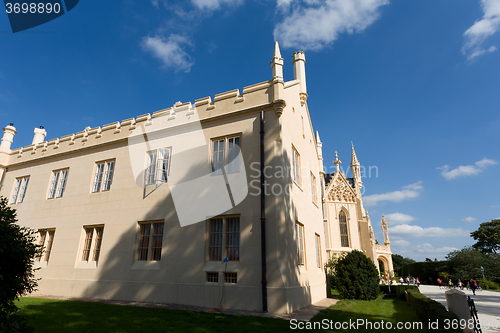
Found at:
[339, 189]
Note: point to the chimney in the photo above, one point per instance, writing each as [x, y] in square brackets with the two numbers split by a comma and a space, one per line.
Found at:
[8, 136]
[299, 73]
[40, 134]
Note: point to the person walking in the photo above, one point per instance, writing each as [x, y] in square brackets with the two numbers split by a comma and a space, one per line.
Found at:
[473, 285]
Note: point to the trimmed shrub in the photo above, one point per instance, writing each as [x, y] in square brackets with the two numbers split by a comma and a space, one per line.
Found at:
[428, 310]
[398, 290]
[485, 284]
[356, 277]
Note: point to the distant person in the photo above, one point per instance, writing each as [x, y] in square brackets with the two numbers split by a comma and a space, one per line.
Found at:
[417, 281]
[401, 280]
[460, 284]
[440, 283]
[473, 286]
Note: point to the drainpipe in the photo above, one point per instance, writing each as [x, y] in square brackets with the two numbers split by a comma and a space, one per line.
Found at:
[263, 216]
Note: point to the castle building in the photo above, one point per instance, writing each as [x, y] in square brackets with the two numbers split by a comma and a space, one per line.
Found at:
[222, 203]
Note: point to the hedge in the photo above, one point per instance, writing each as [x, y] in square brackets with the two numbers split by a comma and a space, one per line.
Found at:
[428, 310]
[398, 290]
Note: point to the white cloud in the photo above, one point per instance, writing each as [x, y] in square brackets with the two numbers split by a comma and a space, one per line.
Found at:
[466, 170]
[482, 29]
[398, 218]
[155, 3]
[417, 231]
[400, 242]
[213, 4]
[169, 51]
[428, 248]
[469, 219]
[408, 192]
[313, 24]
[495, 206]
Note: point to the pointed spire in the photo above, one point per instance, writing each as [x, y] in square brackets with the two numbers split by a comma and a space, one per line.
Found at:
[277, 63]
[337, 162]
[354, 158]
[277, 53]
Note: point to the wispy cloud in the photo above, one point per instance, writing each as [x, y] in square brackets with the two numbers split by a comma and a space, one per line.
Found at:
[214, 4]
[155, 3]
[476, 35]
[313, 24]
[408, 192]
[466, 170]
[495, 206]
[407, 230]
[400, 242]
[398, 218]
[170, 51]
[469, 219]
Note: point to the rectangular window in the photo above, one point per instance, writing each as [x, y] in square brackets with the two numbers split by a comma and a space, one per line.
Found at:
[103, 176]
[230, 277]
[150, 241]
[299, 229]
[91, 250]
[314, 192]
[58, 183]
[215, 247]
[233, 239]
[213, 277]
[318, 251]
[20, 187]
[157, 166]
[88, 243]
[296, 166]
[45, 239]
[98, 242]
[224, 233]
[226, 152]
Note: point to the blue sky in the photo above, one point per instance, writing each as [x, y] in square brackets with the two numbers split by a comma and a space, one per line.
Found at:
[414, 84]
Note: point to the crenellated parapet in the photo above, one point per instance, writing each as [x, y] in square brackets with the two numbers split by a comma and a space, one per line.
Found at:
[254, 96]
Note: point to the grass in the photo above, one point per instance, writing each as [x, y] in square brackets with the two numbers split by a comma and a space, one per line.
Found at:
[391, 310]
[48, 315]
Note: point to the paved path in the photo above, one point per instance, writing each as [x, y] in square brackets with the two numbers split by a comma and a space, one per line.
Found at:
[303, 314]
[487, 304]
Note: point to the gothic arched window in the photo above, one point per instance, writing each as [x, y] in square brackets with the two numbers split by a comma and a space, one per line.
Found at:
[344, 236]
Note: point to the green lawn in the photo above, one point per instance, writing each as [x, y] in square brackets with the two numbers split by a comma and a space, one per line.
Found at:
[391, 310]
[48, 315]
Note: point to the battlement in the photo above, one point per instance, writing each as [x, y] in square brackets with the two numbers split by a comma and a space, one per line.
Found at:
[222, 104]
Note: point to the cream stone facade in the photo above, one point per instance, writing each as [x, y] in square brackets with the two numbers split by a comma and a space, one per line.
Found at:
[107, 237]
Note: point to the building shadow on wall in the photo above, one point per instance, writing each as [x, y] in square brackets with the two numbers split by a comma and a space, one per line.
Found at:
[180, 276]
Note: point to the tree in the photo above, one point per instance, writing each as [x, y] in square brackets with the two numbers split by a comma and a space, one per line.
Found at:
[17, 250]
[466, 264]
[399, 262]
[356, 277]
[487, 237]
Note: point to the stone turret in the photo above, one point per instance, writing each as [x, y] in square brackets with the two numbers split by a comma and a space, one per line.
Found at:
[39, 136]
[278, 82]
[8, 137]
[299, 73]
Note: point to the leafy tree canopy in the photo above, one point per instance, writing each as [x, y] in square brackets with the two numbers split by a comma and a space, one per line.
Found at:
[17, 250]
[466, 264]
[399, 262]
[487, 237]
